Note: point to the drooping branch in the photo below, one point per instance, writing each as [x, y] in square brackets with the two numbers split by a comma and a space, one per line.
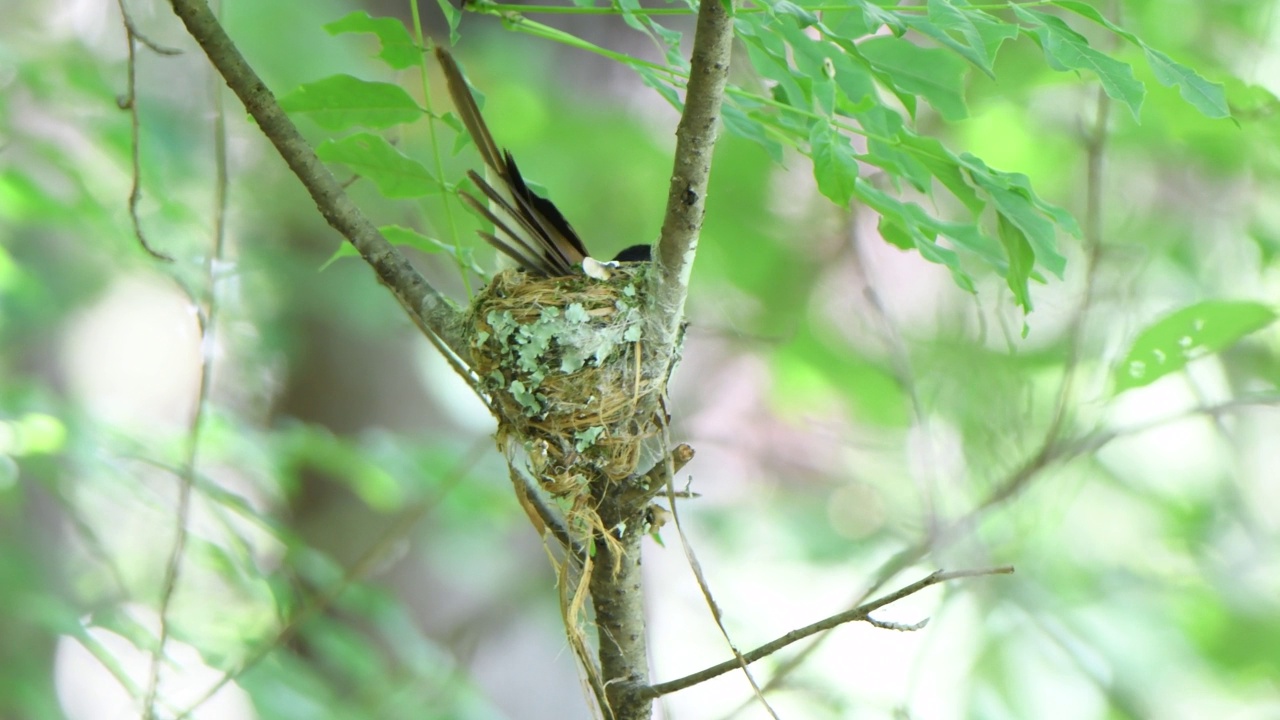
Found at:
[430, 310]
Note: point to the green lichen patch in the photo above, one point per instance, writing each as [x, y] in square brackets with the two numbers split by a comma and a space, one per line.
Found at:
[566, 363]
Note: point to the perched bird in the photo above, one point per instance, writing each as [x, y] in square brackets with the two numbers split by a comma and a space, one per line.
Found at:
[528, 228]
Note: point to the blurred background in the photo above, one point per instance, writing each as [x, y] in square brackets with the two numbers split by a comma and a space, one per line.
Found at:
[859, 421]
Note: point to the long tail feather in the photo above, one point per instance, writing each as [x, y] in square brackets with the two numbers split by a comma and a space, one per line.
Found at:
[538, 236]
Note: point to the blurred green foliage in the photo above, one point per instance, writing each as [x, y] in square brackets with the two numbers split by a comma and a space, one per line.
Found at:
[867, 377]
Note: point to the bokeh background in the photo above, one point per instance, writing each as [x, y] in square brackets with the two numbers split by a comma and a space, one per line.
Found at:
[858, 419]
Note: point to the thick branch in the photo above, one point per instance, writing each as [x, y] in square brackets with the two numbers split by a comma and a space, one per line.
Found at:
[695, 140]
[618, 601]
[860, 613]
[432, 312]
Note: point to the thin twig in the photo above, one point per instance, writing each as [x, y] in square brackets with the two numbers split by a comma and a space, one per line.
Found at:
[208, 320]
[739, 661]
[129, 101]
[859, 614]
[1095, 144]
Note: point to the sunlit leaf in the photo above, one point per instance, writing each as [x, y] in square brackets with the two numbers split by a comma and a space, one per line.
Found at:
[907, 225]
[1017, 202]
[945, 166]
[970, 33]
[1201, 329]
[768, 56]
[802, 16]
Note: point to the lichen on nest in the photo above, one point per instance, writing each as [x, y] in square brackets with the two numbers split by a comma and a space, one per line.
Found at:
[573, 376]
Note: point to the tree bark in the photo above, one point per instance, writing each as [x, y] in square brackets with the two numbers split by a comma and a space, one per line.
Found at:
[618, 600]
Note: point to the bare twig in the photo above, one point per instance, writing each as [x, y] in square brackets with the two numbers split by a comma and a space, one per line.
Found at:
[208, 319]
[900, 627]
[1095, 144]
[431, 311]
[861, 613]
[129, 101]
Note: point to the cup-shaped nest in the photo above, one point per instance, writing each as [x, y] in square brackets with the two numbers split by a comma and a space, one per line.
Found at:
[571, 370]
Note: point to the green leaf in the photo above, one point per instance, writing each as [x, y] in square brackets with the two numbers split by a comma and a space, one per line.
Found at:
[802, 16]
[396, 175]
[936, 75]
[345, 249]
[908, 225]
[397, 235]
[876, 16]
[660, 84]
[768, 55]
[980, 35]
[884, 130]
[1015, 200]
[1192, 332]
[1090, 12]
[1021, 260]
[834, 166]
[453, 15]
[738, 123]
[1209, 98]
[398, 49]
[342, 101]
[1066, 49]
[944, 166]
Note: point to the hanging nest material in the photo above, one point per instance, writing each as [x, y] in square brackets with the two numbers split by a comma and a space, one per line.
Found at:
[574, 379]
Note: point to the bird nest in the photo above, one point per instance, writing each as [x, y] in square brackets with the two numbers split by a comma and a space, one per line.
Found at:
[571, 371]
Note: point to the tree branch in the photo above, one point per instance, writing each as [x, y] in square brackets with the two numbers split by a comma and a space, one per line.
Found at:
[430, 310]
[615, 586]
[695, 140]
[861, 613]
